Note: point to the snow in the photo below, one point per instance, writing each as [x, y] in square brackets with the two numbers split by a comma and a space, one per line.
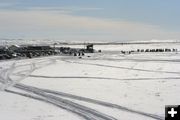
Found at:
[141, 82]
[15, 107]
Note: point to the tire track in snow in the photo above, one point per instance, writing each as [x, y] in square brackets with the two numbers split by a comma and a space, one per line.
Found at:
[103, 78]
[120, 67]
[43, 100]
[83, 111]
[91, 114]
[136, 60]
[106, 104]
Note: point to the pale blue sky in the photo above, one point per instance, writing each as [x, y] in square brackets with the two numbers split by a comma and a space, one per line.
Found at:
[112, 20]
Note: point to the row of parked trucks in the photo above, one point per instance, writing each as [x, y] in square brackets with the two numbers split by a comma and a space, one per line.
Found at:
[29, 51]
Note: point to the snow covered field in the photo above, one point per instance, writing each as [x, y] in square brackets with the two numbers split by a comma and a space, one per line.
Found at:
[105, 86]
